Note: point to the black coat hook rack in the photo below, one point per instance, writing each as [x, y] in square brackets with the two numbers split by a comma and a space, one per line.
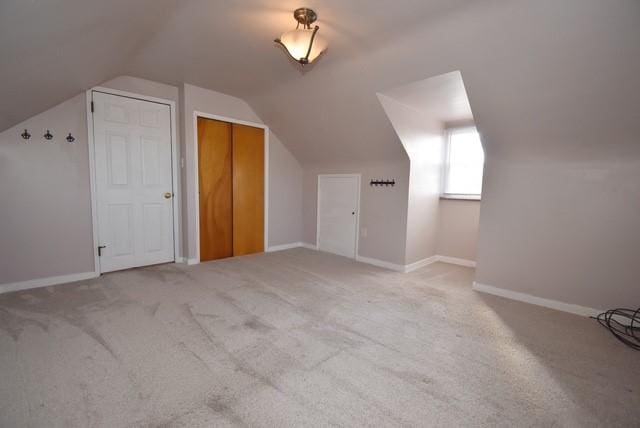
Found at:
[391, 182]
[47, 136]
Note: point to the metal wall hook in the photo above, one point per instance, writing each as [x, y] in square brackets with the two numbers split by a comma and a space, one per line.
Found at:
[71, 138]
[391, 182]
[25, 135]
[48, 135]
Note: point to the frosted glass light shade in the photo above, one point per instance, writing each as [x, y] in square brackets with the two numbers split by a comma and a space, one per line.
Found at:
[297, 42]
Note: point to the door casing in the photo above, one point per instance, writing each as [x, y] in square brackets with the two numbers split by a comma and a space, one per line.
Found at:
[175, 156]
[197, 114]
[358, 178]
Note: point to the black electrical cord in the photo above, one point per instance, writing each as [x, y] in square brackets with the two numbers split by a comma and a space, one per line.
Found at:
[613, 320]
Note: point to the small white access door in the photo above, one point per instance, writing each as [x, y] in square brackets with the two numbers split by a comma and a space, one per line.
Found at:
[134, 199]
[338, 205]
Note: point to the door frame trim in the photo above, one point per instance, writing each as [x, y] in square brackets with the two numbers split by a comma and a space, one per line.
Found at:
[196, 115]
[357, 237]
[175, 168]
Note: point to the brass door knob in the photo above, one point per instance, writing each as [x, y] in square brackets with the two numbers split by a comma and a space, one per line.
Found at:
[168, 195]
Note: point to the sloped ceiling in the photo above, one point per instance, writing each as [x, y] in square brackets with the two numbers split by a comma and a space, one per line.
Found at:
[51, 50]
[442, 98]
[545, 78]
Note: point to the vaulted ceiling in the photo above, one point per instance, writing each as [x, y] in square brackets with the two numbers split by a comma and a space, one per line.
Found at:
[441, 98]
[546, 78]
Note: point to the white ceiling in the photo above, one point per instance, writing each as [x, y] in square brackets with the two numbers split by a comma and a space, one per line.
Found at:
[548, 77]
[440, 98]
[56, 48]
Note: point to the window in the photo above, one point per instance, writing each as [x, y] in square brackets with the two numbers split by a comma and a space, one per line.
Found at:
[464, 162]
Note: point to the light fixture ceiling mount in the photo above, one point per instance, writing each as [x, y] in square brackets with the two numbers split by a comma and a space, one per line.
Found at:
[303, 43]
[305, 16]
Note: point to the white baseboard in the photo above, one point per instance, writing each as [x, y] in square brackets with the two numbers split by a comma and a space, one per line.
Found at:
[271, 249]
[416, 265]
[181, 260]
[437, 258]
[456, 261]
[369, 260]
[539, 301]
[420, 263]
[381, 263]
[285, 246]
[309, 246]
[45, 282]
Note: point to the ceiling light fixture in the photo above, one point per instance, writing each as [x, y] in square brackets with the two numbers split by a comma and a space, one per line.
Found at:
[303, 43]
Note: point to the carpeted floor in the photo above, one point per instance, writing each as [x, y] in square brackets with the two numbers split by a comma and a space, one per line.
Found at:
[302, 338]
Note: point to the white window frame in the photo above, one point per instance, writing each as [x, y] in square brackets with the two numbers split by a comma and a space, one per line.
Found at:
[445, 166]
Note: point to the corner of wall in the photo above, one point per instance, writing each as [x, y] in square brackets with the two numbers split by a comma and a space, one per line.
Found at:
[285, 172]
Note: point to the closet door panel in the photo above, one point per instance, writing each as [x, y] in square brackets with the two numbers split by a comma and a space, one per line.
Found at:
[248, 190]
[215, 186]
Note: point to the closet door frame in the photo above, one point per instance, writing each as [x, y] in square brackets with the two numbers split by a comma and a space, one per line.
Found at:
[179, 257]
[196, 115]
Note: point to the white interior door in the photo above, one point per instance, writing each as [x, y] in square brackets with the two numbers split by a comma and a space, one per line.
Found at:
[134, 198]
[338, 200]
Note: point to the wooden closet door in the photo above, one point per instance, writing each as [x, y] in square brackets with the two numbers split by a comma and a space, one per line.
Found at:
[215, 186]
[248, 190]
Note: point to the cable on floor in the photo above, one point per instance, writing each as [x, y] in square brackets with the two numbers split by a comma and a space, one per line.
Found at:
[615, 320]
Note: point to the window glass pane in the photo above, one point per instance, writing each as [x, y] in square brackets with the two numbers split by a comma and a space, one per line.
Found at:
[465, 163]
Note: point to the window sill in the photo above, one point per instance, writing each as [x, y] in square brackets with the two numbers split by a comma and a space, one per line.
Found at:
[462, 197]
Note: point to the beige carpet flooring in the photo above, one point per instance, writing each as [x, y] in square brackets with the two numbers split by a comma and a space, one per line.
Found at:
[302, 338]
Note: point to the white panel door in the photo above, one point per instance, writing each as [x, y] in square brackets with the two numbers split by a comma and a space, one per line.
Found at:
[338, 200]
[134, 197]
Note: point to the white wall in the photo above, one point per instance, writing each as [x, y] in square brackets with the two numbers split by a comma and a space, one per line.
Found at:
[458, 230]
[432, 226]
[421, 137]
[45, 208]
[45, 227]
[422, 212]
[285, 195]
[563, 230]
[383, 210]
[400, 231]
[553, 88]
[144, 87]
[285, 184]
